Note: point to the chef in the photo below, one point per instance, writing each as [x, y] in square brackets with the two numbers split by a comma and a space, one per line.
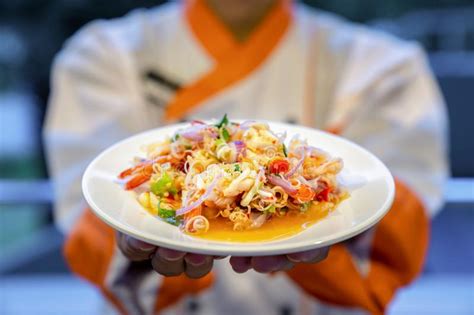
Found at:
[254, 59]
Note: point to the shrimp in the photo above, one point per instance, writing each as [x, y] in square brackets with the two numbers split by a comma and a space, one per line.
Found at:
[313, 169]
[220, 200]
[242, 183]
[139, 176]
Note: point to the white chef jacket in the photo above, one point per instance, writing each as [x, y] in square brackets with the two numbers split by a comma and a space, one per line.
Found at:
[115, 78]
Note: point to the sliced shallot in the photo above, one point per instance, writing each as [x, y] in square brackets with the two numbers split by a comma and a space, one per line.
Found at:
[201, 199]
[283, 183]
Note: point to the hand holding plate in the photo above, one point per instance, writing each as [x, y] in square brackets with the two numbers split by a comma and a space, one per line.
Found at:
[266, 264]
[167, 262]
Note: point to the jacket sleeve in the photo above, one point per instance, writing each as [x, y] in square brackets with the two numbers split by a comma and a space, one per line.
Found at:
[94, 103]
[389, 103]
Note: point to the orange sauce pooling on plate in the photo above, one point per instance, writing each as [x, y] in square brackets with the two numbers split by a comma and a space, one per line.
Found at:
[221, 229]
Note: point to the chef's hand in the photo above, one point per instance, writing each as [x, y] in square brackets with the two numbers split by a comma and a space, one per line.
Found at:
[265, 264]
[166, 262]
[169, 262]
[358, 245]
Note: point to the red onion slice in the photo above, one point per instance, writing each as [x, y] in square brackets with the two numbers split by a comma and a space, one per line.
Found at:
[240, 147]
[213, 133]
[283, 183]
[312, 183]
[193, 133]
[298, 165]
[257, 220]
[197, 122]
[197, 203]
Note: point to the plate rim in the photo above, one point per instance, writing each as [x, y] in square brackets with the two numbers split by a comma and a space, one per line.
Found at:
[262, 248]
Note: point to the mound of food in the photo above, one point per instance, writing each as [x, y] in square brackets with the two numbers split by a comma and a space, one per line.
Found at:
[242, 173]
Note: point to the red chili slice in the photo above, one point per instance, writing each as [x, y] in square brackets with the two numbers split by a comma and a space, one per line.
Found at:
[278, 166]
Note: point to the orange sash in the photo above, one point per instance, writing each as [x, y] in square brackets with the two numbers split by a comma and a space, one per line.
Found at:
[397, 256]
[233, 60]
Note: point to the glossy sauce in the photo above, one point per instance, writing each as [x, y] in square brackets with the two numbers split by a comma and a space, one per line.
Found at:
[220, 229]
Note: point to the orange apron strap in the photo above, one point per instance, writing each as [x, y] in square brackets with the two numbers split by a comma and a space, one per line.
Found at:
[334, 280]
[210, 32]
[397, 256]
[399, 246]
[234, 61]
[89, 250]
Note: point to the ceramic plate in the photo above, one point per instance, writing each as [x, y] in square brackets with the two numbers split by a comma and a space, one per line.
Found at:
[119, 208]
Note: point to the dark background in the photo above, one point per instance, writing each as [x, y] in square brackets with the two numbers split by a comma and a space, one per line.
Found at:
[33, 31]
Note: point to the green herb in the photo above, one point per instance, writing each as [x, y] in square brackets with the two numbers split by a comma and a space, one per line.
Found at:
[175, 137]
[284, 150]
[174, 221]
[168, 215]
[219, 142]
[165, 213]
[224, 122]
[163, 185]
[225, 134]
[237, 168]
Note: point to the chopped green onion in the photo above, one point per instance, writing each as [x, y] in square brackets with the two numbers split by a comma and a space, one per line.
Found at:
[168, 215]
[163, 185]
[225, 134]
[175, 137]
[237, 168]
[219, 142]
[224, 122]
[284, 150]
[165, 213]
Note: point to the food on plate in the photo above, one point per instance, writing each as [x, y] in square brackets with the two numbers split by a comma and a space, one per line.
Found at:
[235, 181]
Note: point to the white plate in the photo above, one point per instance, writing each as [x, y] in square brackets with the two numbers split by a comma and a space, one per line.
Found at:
[119, 208]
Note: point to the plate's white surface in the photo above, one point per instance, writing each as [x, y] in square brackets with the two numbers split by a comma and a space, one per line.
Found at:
[119, 208]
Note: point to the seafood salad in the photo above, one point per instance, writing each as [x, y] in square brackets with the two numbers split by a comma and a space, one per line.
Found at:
[242, 173]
